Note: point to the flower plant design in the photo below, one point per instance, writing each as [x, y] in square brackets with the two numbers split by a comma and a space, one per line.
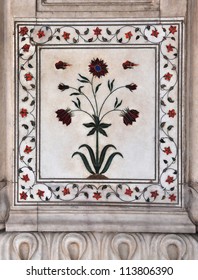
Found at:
[97, 164]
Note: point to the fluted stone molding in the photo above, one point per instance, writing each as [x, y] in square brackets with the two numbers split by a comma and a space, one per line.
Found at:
[96, 246]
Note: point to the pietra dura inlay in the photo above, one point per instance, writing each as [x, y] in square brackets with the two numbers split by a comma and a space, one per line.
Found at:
[99, 112]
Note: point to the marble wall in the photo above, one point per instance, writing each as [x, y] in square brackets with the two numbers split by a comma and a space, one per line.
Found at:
[113, 239]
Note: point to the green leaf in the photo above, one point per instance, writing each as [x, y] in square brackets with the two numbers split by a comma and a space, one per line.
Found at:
[91, 124]
[112, 84]
[85, 161]
[170, 127]
[84, 78]
[25, 126]
[79, 103]
[162, 124]
[86, 31]
[75, 93]
[105, 125]
[102, 131]
[96, 119]
[75, 104]
[171, 100]
[103, 153]
[119, 104]
[91, 153]
[108, 195]
[83, 81]
[109, 85]
[97, 88]
[116, 102]
[108, 31]
[108, 163]
[79, 89]
[91, 132]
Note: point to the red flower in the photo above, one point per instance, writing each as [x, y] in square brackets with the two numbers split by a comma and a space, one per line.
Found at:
[98, 68]
[61, 65]
[155, 33]
[128, 35]
[66, 35]
[131, 87]
[23, 31]
[28, 149]
[23, 195]
[97, 195]
[168, 76]
[26, 48]
[128, 192]
[62, 87]
[41, 33]
[129, 65]
[172, 197]
[167, 150]
[154, 194]
[97, 31]
[172, 29]
[25, 178]
[64, 116]
[23, 113]
[169, 180]
[171, 113]
[129, 116]
[40, 193]
[28, 76]
[66, 191]
[170, 48]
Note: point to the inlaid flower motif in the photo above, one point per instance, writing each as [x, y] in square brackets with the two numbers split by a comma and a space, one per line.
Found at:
[131, 87]
[66, 191]
[28, 76]
[169, 179]
[167, 150]
[98, 67]
[129, 116]
[26, 178]
[169, 48]
[23, 195]
[97, 31]
[154, 194]
[171, 113]
[128, 35]
[172, 197]
[41, 34]
[155, 33]
[129, 65]
[26, 48]
[63, 87]
[23, 31]
[61, 65]
[66, 35]
[40, 193]
[168, 76]
[128, 192]
[64, 116]
[23, 113]
[28, 149]
[97, 195]
[173, 29]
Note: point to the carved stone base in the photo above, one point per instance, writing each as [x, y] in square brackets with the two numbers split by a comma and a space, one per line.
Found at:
[97, 246]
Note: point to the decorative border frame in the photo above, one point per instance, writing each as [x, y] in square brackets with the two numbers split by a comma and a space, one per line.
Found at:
[101, 193]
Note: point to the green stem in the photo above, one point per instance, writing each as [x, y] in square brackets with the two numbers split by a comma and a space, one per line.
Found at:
[80, 110]
[97, 134]
[108, 97]
[86, 98]
[114, 110]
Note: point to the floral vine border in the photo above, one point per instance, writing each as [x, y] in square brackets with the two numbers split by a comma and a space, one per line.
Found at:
[166, 36]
